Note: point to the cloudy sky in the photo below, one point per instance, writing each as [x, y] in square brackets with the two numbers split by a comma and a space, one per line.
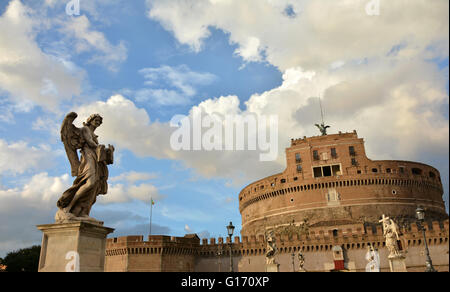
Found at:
[381, 67]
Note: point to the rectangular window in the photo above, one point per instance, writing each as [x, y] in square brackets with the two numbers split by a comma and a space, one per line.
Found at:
[316, 155]
[298, 159]
[336, 169]
[402, 169]
[326, 171]
[354, 162]
[317, 171]
[416, 171]
[299, 168]
[351, 150]
[333, 153]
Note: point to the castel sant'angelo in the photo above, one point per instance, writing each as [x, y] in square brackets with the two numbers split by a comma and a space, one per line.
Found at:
[326, 205]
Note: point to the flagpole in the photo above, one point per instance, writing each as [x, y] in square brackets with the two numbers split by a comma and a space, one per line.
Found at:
[151, 211]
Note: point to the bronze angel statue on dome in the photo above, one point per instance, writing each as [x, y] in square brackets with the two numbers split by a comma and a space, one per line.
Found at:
[91, 170]
[322, 128]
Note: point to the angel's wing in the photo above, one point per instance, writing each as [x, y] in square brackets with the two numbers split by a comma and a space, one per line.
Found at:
[72, 140]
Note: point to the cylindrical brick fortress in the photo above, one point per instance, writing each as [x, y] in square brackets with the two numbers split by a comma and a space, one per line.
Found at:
[329, 181]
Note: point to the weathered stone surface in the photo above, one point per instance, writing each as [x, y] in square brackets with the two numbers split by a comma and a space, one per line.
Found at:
[180, 254]
[272, 268]
[397, 264]
[73, 247]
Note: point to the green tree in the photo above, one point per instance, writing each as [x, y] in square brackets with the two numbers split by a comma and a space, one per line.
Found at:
[23, 260]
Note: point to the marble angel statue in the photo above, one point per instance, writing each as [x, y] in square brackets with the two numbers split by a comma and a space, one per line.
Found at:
[91, 169]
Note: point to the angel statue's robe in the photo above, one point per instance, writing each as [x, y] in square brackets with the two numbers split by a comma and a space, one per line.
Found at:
[92, 171]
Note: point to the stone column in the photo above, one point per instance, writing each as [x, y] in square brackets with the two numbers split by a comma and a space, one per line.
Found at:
[73, 247]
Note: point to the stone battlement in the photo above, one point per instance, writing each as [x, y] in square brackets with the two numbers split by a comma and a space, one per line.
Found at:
[327, 137]
[315, 240]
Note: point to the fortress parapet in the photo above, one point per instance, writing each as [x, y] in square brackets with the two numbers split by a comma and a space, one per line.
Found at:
[190, 249]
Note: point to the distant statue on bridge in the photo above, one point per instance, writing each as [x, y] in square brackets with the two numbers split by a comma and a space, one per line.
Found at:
[373, 258]
[391, 233]
[301, 262]
[271, 249]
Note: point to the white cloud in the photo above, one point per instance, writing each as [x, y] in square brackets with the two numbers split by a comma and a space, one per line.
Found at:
[121, 193]
[168, 85]
[18, 157]
[133, 130]
[320, 33]
[27, 74]
[48, 124]
[250, 50]
[180, 77]
[183, 214]
[24, 207]
[163, 97]
[40, 192]
[364, 84]
[133, 177]
[123, 188]
[86, 39]
[144, 192]
[405, 103]
[372, 72]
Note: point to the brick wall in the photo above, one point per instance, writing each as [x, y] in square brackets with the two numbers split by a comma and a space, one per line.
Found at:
[357, 193]
[164, 253]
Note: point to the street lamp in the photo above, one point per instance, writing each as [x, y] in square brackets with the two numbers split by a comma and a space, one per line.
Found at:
[420, 214]
[230, 229]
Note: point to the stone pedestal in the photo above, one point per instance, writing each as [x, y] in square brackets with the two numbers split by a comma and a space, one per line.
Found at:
[270, 268]
[73, 247]
[397, 263]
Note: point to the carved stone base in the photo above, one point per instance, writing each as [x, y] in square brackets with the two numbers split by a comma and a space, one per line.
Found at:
[270, 268]
[397, 263]
[73, 247]
[62, 217]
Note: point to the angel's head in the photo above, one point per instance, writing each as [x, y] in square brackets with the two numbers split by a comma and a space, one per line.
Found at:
[95, 120]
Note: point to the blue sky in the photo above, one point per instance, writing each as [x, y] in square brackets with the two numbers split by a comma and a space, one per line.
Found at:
[139, 63]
